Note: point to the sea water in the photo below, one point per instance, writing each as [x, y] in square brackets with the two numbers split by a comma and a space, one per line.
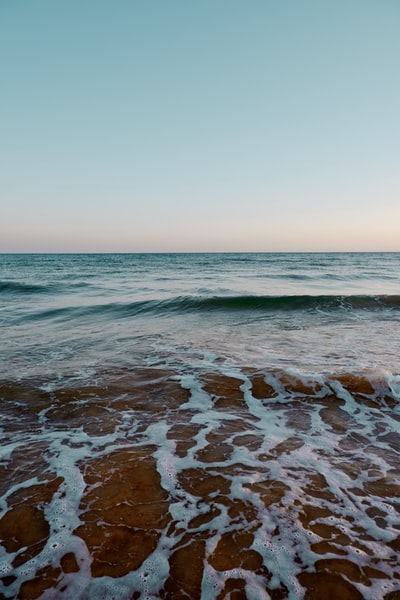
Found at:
[200, 426]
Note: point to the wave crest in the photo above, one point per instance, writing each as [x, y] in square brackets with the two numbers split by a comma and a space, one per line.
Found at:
[250, 303]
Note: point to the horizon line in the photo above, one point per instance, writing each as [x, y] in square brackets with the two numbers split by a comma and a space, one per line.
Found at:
[129, 252]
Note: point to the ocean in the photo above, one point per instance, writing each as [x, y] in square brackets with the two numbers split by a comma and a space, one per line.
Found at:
[186, 426]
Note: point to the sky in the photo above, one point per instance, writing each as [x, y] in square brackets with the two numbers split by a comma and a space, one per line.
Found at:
[218, 125]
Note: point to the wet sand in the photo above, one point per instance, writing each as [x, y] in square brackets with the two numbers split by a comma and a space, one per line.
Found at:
[148, 484]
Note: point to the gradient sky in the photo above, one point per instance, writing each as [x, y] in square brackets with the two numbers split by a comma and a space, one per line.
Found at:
[218, 125]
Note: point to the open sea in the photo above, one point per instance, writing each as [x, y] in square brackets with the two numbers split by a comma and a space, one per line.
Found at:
[200, 426]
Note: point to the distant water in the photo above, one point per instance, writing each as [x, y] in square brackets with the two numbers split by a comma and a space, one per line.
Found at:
[200, 425]
[325, 311]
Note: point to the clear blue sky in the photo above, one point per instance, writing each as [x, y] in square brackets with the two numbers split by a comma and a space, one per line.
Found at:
[176, 125]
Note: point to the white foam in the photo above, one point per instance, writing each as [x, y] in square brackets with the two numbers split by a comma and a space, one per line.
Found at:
[279, 536]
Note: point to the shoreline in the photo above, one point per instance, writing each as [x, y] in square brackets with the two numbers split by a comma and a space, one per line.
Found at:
[249, 483]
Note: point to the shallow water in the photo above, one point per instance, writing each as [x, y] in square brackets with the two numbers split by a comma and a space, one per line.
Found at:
[200, 426]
